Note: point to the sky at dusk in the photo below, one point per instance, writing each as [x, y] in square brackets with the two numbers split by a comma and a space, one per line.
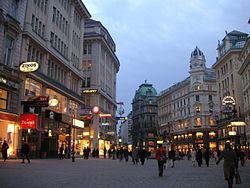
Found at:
[154, 38]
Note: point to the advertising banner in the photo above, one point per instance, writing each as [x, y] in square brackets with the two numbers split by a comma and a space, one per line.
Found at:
[28, 121]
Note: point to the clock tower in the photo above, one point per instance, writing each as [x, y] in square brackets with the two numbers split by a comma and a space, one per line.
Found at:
[197, 66]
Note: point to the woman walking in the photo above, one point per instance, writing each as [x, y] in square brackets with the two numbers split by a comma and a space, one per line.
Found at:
[230, 163]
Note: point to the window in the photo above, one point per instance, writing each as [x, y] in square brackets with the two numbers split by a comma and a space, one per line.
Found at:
[8, 50]
[33, 21]
[87, 49]
[210, 97]
[197, 98]
[32, 87]
[13, 8]
[211, 122]
[54, 15]
[3, 99]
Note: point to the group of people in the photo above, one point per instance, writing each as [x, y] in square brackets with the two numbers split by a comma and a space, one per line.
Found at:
[231, 159]
[24, 151]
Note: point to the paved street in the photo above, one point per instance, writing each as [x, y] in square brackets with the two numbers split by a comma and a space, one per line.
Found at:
[101, 173]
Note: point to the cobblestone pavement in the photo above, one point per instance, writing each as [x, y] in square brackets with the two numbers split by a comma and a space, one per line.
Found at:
[105, 173]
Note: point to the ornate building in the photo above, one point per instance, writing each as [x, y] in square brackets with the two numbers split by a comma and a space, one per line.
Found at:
[187, 110]
[231, 126]
[144, 117]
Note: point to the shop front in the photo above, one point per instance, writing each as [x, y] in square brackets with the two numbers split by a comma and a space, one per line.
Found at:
[9, 129]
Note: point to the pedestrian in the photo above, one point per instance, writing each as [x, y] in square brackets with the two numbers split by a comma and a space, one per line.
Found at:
[193, 157]
[25, 150]
[61, 152]
[207, 156]
[230, 163]
[134, 155]
[104, 152]
[199, 157]
[142, 155]
[242, 158]
[215, 155]
[109, 153]
[171, 156]
[126, 154]
[5, 148]
[161, 158]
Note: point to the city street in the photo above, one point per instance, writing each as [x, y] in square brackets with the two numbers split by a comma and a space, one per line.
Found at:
[105, 173]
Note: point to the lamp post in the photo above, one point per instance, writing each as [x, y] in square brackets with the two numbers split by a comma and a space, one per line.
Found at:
[73, 135]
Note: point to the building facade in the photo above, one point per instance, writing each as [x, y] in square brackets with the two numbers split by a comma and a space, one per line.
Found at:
[245, 78]
[187, 110]
[51, 35]
[144, 117]
[11, 25]
[231, 126]
[100, 67]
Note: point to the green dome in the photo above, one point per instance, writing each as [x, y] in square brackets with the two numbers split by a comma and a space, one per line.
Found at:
[145, 89]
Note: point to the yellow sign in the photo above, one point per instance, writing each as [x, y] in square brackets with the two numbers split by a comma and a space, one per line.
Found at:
[29, 67]
[89, 91]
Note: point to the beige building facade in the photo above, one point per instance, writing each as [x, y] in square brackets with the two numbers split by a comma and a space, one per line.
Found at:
[245, 78]
[100, 67]
[229, 89]
[51, 34]
[188, 109]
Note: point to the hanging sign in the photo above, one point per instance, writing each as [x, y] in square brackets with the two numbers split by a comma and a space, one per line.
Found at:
[28, 121]
[27, 67]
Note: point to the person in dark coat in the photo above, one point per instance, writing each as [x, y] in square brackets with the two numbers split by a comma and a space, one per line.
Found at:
[142, 155]
[25, 150]
[104, 152]
[5, 148]
[171, 156]
[61, 152]
[207, 156]
[199, 157]
[230, 163]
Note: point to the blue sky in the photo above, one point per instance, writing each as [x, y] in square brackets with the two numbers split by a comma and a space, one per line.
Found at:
[154, 38]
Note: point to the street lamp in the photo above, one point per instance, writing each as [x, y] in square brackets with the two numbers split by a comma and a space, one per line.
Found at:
[73, 135]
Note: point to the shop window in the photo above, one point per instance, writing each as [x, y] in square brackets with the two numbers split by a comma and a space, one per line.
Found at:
[3, 99]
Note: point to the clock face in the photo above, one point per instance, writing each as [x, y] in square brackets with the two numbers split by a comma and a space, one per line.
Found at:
[195, 64]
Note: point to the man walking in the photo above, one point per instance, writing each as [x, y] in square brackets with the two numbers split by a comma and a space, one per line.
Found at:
[25, 152]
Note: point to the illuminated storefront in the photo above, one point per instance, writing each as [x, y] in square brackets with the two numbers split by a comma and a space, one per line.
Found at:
[9, 128]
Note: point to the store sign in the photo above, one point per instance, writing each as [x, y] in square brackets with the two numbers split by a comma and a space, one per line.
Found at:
[27, 67]
[28, 121]
[105, 115]
[53, 102]
[121, 118]
[89, 91]
[228, 100]
[78, 123]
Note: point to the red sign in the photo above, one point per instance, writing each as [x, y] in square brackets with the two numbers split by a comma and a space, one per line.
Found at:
[28, 121]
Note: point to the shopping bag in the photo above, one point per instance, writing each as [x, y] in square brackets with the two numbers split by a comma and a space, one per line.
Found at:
[237, 177]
